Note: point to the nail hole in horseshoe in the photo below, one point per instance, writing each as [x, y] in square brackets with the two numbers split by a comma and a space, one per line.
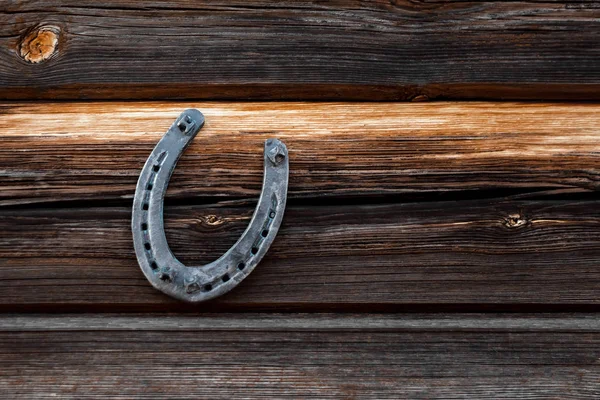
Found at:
[149, 187]
[147, 246]
[144, 226]
[145, 207]
[241, 266]
[254, 250]
[264, 233]
[208, 287]
[225, 278]
[156, 168]
[153, 265]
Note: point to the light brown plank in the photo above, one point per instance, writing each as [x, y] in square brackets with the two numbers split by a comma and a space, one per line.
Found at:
[292, 356]
[94, 151]
[345, 49]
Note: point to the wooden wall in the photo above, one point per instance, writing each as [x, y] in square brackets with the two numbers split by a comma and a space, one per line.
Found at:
[430, 249]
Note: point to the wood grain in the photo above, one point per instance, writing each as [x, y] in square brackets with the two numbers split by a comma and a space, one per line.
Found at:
[56, 152]
[481, 254]
[393, 207]
[292, 356]
[347, 49]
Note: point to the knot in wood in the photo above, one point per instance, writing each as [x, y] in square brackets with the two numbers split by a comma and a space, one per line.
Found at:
[515, 220]
[213, 220]
[39, 44]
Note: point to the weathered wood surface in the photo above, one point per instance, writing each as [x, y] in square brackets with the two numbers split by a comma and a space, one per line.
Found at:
[422, 229]
[477, 254]
[292, 356]
[393, 207]
[94, 151]
[370, 50]
[368, 322]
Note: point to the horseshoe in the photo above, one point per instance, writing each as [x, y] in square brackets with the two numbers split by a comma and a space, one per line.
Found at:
[159, 265]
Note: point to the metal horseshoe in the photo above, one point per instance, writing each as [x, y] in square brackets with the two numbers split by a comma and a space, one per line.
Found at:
[162, 269]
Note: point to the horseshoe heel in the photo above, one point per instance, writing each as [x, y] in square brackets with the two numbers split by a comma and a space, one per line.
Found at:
[162, 269]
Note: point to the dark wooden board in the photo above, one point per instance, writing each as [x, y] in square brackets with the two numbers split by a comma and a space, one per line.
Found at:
[291, 356]
[56, 152]
[481, 254]
[347, 49]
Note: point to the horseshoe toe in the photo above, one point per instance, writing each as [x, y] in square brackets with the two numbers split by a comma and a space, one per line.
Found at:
[159, 265]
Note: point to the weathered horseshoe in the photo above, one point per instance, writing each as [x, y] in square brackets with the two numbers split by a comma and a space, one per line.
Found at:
[156, 260]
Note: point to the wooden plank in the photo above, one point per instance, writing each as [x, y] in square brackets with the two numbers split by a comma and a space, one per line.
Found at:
[302, 322]
[94, 151]
[282, 356]
[481, 254]
[369, 50]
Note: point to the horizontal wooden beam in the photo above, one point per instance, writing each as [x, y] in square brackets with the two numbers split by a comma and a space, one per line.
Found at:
[477, 254]
[94, 151]
[414, 322]
[347, 49]
[371, 356]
